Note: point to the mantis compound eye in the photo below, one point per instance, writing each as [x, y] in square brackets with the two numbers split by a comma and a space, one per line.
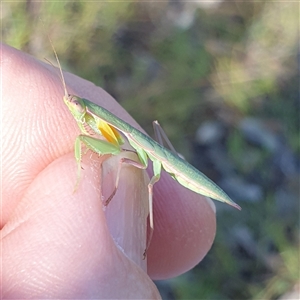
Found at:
[76, 103]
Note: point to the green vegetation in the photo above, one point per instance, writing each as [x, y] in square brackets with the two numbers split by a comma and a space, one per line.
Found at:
[183, 64]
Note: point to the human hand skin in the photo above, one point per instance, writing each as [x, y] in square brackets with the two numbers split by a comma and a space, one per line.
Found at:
[56, 243]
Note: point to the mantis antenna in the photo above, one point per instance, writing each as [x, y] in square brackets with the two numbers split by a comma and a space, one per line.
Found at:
[60, 69]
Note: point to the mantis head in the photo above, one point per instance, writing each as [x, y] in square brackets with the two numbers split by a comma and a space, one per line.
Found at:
[76, 106]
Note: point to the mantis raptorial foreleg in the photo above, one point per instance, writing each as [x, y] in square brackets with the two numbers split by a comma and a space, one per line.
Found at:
[99, 146]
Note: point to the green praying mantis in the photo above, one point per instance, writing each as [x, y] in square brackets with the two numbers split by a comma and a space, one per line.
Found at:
[95, 120]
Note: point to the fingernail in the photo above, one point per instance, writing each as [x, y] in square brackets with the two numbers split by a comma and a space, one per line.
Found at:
[127, 212]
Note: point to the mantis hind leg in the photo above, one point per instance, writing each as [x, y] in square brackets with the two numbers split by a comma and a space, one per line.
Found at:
[161, 136]
[154, 179]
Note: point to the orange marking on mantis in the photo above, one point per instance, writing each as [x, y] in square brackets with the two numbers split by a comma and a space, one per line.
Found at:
[110, 133]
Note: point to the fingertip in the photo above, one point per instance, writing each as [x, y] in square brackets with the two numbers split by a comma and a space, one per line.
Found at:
[185, 226]
[211, 204]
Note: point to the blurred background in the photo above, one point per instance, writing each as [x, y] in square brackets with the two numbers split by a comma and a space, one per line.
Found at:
[222, 79]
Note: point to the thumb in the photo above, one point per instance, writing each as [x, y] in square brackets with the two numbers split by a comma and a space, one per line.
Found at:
[57, 244]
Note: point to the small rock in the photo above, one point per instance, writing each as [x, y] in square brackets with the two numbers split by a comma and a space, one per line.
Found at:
[209, 132]
[256, 133]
